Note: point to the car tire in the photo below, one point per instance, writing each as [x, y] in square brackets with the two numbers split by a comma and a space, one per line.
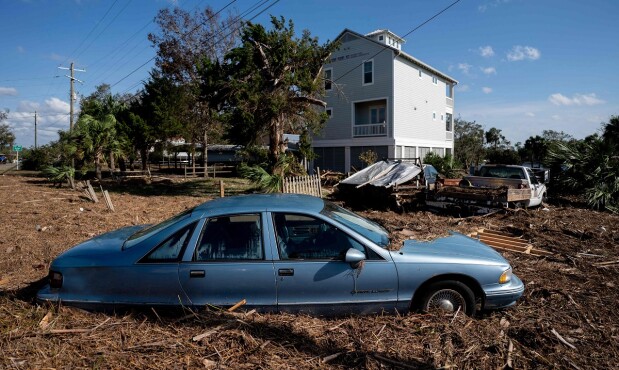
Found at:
[448, 296]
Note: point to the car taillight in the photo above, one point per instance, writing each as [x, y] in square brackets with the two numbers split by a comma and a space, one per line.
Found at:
[55, 279]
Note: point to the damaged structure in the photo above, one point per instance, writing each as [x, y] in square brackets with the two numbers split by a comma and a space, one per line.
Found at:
[387, 184]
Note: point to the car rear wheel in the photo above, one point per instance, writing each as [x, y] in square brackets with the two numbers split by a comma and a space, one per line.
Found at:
[448, 296]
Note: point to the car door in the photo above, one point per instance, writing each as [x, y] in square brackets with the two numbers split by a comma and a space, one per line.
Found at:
[228, 264]
[537, 189]
[313, 277]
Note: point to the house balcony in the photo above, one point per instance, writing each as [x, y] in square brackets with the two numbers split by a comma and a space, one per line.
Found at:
[370, 130]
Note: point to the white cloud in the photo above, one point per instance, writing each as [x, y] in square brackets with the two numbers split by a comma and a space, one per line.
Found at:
[21, 50]
[530, 114]
[57, 105]
[488, 70]
[486, 90]
[486, 51]
[463, 88]
[519, 52]
[56, 57]
[8, 91]
[577, 99]
[465, 68]
[491, 4]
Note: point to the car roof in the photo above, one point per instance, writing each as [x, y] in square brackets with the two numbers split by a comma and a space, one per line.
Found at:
[271, 202]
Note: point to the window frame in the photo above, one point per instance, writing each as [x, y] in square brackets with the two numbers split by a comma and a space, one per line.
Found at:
[194, 258]
[378, 108]
[192, 229]
[329, 79]
[435, 80]
[449, 127]
[329, 111]
[363, 72]
[370, 254]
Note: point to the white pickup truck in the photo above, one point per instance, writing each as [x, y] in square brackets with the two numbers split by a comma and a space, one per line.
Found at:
[496, 186]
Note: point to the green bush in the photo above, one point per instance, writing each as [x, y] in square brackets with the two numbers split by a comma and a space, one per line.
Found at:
[446, 165]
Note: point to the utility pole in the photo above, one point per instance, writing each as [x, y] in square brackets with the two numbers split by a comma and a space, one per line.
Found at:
[35, 129]
[72, 93]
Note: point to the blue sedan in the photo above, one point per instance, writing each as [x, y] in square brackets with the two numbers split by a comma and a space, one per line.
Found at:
[283, 252]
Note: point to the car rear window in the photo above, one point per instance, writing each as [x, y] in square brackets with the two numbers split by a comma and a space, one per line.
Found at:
[137, 237]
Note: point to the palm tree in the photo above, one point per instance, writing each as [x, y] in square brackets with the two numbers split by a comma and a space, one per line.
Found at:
[97, 137]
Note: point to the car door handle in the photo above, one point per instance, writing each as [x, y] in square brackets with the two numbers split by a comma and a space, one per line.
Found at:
[285, 272]
[197, 273]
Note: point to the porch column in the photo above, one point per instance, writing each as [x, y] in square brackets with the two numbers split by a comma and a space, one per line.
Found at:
[346, 159]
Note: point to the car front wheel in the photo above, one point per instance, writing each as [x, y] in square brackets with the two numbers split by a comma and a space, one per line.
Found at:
[448, 296]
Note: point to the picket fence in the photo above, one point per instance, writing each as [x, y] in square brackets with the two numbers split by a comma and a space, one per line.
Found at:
[309, 185]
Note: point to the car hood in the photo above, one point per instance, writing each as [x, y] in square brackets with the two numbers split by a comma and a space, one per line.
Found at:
[102, 244]
[454, 247]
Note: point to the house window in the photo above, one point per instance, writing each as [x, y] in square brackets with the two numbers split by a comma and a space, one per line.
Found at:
[434, 116]
[368, 72]
[434, 80]
[377, 115]
[420, 73]
[329, 112]
[441, 117]
[380, 38]
[449, 122]
[328, 79]
[449, 90]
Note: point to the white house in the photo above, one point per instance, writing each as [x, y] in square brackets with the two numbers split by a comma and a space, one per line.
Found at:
[381, 98]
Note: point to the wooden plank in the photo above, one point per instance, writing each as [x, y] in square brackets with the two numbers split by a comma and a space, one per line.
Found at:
[506, 239]
[503, 241]
[108, 201]
[92, 193]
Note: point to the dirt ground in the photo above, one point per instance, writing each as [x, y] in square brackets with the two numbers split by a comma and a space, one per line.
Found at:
[567, 317]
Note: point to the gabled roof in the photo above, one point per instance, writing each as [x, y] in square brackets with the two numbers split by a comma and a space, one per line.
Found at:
[399, 53]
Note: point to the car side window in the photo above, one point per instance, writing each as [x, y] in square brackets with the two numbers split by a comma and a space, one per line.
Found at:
[170, 250]
[234, 237]
[302, 237]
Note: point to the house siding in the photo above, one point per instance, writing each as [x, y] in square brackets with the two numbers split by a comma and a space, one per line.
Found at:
[415, 100]
[346, 65]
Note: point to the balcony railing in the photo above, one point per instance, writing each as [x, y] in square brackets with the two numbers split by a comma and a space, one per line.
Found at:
[450, 102]
[370, 130]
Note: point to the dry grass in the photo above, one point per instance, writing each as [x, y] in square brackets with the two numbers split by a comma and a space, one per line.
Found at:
[566, 318]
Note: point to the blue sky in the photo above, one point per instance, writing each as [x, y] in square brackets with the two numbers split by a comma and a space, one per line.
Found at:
[523, 66]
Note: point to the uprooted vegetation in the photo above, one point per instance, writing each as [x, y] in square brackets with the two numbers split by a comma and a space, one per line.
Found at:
[567, 317]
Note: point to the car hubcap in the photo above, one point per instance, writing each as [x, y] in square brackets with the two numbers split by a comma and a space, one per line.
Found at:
[446, 300]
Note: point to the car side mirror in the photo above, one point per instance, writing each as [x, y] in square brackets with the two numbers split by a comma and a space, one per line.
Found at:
[354, 257]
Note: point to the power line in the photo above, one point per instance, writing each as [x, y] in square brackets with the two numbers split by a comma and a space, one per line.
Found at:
[117, 50]
[385, 47]
[92, 30]
[102, 31]
[182, 36]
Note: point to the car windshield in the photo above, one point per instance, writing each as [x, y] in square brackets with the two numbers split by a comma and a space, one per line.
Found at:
[367, 228]
[142, 234]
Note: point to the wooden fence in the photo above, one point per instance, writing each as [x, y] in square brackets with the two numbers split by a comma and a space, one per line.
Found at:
[309, 185]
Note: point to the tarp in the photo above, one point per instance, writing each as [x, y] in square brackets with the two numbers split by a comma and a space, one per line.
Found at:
[385, 174]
